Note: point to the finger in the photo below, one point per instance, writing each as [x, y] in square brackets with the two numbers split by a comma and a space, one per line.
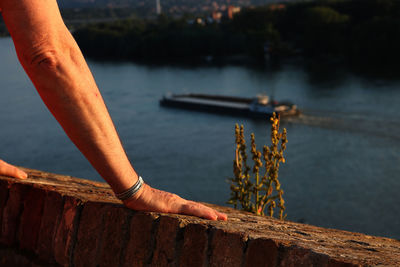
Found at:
[12, 171]
[15, 172]
[203, 211]
[199, 210]
[222, 216]
[22, 174]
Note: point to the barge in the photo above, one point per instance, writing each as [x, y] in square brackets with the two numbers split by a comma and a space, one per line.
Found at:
[258, 107]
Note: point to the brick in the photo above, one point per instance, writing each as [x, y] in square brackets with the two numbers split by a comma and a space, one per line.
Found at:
[201, 243]
[31, 219]
[337, 263]
[9, 257]
[195, 243]
[115, 236]
[226, 248]
[298, 256]
[52, 211]
[139, 247]
[89, 234]
[3, 200]
[261, 252]
[64, 237]
[166, 239]
[11, 214]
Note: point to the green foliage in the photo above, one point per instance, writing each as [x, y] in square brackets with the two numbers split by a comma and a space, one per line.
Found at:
[380, 39]
[163, 39]
[324, 31]
[258, 26]
[83, 15]
[255, 194]
[324, 16]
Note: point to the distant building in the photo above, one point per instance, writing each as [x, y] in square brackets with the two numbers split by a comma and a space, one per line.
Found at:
[216, 16]
[232, 10]
[200, 21]
[277, 7]
[158, 7]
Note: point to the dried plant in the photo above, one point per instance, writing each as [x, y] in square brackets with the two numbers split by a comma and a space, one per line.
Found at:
[262, 191]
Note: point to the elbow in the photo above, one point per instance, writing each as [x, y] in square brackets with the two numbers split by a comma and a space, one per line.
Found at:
[43, 55]
[51, 62]
[46, 59]
[43, 59]
[54, 60]
[45, 67]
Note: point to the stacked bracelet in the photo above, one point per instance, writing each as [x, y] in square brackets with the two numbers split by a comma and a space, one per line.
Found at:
[131, 191]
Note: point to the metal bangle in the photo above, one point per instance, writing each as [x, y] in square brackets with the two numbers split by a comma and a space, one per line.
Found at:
[131, 191]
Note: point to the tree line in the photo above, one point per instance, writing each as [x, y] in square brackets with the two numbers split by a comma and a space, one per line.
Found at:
[353, 31]
[356, 31]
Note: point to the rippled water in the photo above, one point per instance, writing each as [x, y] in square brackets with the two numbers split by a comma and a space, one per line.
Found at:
[343, 155]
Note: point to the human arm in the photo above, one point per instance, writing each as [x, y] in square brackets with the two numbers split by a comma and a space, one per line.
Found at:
[55, 65]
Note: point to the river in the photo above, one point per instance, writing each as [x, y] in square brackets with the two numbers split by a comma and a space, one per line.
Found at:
[342, 160]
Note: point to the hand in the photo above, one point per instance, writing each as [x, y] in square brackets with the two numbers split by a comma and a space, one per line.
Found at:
[12, 171]
[151, 199]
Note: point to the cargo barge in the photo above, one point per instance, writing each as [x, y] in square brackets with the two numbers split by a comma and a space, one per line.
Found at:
[258, 107]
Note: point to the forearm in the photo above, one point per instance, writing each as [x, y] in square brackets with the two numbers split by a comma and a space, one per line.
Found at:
[66, 85]
[56, 67]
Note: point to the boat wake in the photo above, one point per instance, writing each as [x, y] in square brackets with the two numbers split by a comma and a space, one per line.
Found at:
[350, 122]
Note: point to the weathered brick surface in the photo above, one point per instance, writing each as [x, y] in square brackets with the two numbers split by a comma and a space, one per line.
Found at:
[336, 263]
[11, 213]
[90, 231]
[140, 245]
[13, 257]
[296, 256]
[64, 237]
[195, 243]
[10, 258]
[227, 248]
[3, 200]
[31, 218]
[52, 212]
[70, 234]
[293, 256]
[115, 236]
[261, 252]
[166, 241]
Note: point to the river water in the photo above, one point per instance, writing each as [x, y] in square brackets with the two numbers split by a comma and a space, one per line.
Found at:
[342, 160]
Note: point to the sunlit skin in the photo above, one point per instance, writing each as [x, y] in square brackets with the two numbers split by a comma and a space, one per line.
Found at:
[12, 171]
[54, 63]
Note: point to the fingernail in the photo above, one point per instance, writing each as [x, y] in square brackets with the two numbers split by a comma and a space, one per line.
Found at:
[23, 175]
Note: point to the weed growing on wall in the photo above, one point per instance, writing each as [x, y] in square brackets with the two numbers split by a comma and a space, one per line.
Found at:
[261, 190]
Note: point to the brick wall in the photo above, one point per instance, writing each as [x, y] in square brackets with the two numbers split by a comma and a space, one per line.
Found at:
[54, 220]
